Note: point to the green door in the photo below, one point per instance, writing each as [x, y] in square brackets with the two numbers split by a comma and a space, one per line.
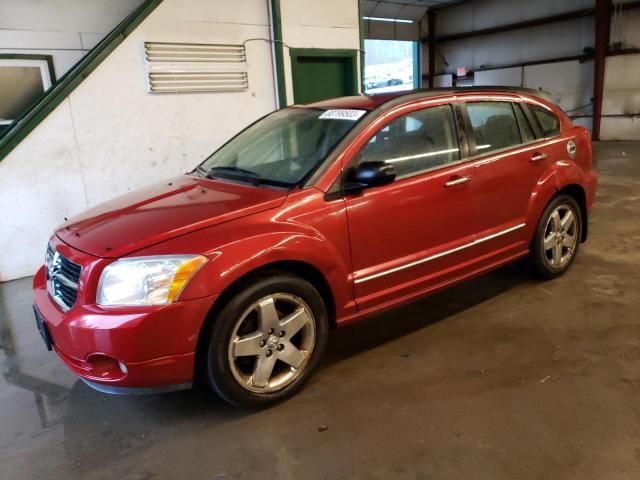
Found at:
[319, 74]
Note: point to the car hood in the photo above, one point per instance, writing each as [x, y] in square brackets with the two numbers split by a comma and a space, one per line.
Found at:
[163, 211]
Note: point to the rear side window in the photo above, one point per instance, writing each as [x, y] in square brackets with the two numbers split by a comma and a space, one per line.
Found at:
[548, 121]
[494, 125]
[415, 142]
[525, 127]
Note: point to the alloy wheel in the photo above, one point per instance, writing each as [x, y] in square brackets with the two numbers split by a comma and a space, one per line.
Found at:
[271, 343]
[560, 236]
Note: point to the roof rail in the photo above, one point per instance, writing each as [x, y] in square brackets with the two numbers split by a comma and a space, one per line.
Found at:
[543, 94]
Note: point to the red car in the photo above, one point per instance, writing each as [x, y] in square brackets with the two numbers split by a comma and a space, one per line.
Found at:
[313, 216]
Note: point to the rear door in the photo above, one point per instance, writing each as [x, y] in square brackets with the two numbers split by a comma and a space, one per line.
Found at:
[510, 160]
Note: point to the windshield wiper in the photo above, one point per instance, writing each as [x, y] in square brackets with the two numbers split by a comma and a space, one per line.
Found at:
[235, 172]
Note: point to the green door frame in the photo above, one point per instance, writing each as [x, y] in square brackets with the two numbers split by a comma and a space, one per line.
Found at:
[278, 46]
[352, 55]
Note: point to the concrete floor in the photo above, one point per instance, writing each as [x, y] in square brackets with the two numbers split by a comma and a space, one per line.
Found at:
[500, 378]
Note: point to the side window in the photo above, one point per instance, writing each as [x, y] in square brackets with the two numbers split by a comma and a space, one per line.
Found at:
[525, 126]
[415, 142]
[494, 125]
[548, 121]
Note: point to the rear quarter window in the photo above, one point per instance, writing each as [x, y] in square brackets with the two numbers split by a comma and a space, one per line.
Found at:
[549, 122]
[525, 127]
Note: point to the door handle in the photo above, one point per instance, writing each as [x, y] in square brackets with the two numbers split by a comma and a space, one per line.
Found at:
[457, 181]
[537, 157]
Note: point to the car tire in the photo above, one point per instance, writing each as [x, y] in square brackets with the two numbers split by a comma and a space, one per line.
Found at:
[557, 238]
[254, 331]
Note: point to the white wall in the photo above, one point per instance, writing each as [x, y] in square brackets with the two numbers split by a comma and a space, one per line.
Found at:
[313, 24]
[110, 136]
[560, 39]
[621, 96]
[621, 81]
[569, 82]
[512, 76]
[473, 15]
[64, 29]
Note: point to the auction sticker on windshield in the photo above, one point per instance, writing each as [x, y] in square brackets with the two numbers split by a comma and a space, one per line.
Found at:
[342, 114]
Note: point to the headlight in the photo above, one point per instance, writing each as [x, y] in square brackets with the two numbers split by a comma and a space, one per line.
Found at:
[153, 280]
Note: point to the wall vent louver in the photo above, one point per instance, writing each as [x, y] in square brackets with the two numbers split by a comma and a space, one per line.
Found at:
[188, 68]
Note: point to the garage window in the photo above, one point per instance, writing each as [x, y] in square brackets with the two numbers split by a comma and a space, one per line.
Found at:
[494, 125]
[23, 79]
[390, 66]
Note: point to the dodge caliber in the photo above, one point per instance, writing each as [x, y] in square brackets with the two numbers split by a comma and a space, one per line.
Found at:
[313, 216]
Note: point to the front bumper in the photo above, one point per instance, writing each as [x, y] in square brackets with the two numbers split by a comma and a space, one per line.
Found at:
[152, 348]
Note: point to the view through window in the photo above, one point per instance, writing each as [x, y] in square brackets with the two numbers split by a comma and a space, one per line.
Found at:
[390, 65]
[23, 78]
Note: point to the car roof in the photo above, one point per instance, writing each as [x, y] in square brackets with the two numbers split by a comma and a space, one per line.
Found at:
[370, 102]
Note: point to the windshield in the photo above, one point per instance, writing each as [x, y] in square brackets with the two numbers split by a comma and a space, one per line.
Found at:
[282, 148]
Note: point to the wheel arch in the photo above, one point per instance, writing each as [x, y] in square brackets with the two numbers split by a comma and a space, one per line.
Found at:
[302, 269]
[578, 193]
[559, 179]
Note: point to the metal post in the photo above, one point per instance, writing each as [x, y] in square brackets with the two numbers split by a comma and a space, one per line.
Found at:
[431, 35]
[603, 24]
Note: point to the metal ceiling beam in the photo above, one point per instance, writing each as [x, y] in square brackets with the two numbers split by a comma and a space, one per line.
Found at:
[531, 23]
[518, 25]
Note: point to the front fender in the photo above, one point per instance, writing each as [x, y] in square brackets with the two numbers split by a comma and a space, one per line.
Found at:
[244, 256]
[306, 230]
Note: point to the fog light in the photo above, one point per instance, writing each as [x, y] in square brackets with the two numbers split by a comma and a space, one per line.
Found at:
[123, 367]
[106, 367]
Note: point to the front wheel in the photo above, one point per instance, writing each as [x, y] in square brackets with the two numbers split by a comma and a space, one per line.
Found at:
[557, 238]
[266, 340]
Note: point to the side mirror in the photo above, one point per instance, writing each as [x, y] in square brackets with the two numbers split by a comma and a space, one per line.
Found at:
[369, 174]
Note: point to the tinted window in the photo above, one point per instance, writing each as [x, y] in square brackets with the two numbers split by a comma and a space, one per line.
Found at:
[525, 126]
[548, 121]
[415, 142]
[494, 125]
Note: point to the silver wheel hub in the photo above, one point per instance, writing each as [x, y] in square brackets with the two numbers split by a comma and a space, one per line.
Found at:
[560, 236]
[271, 343]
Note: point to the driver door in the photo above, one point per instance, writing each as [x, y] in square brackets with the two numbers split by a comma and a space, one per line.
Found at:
[412, 235]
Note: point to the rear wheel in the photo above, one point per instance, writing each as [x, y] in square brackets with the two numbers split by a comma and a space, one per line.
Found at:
[557, 238]
[267, 340]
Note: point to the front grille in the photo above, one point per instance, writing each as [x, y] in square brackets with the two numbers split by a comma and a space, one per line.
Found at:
[62, 278]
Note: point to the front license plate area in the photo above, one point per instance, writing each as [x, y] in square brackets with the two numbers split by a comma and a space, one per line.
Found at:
[42, 328]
